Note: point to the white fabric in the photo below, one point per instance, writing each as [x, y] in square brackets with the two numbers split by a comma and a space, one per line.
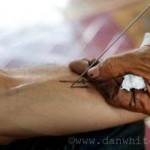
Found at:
[132, 81]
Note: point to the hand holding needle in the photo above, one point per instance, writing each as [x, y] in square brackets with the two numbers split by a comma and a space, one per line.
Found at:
[113, 42]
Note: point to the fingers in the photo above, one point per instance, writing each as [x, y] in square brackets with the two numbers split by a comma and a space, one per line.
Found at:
[102, 71]
[108, 89]
[134, 100]
[79, 66]
[108, 69]
[136, 62]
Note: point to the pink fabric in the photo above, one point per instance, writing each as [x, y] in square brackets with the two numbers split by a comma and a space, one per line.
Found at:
[45, 44]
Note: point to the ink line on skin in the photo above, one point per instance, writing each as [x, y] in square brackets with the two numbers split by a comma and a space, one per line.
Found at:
[83, 81]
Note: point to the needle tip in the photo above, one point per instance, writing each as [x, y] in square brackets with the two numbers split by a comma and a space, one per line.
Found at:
[73, 84]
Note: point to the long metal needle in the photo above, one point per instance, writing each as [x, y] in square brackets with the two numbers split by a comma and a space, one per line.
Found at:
[115, 40]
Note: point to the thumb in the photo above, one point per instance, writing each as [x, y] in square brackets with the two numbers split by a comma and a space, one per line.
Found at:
[108, 69]
[79, 66]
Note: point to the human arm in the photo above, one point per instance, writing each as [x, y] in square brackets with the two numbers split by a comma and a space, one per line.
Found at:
[44, 106]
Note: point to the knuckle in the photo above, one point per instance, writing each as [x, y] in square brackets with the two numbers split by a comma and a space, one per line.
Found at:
[110, 63]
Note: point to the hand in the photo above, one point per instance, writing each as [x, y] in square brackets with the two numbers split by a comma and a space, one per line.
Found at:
[136, 62]
[135, 100]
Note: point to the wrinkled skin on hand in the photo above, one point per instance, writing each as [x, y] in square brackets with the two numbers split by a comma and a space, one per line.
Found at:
[134, 100]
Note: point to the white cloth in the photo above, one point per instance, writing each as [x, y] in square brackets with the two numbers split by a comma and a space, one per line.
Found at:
[136, 82]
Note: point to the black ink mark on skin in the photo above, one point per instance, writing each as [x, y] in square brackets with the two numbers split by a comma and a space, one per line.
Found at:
[80, 86]
[82, 81]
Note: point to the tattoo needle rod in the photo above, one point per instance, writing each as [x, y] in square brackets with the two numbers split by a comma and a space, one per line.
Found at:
[115, 40]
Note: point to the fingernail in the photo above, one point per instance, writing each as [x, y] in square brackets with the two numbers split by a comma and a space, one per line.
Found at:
[93, 72]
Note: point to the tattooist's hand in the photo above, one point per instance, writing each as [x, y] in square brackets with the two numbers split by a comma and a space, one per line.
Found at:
[136, 62]
[135, 100]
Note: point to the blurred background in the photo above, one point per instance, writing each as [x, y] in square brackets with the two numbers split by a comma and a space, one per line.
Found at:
[42, 32]
[35, 32]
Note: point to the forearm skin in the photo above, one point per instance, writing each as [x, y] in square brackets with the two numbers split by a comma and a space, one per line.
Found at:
[44, 106]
